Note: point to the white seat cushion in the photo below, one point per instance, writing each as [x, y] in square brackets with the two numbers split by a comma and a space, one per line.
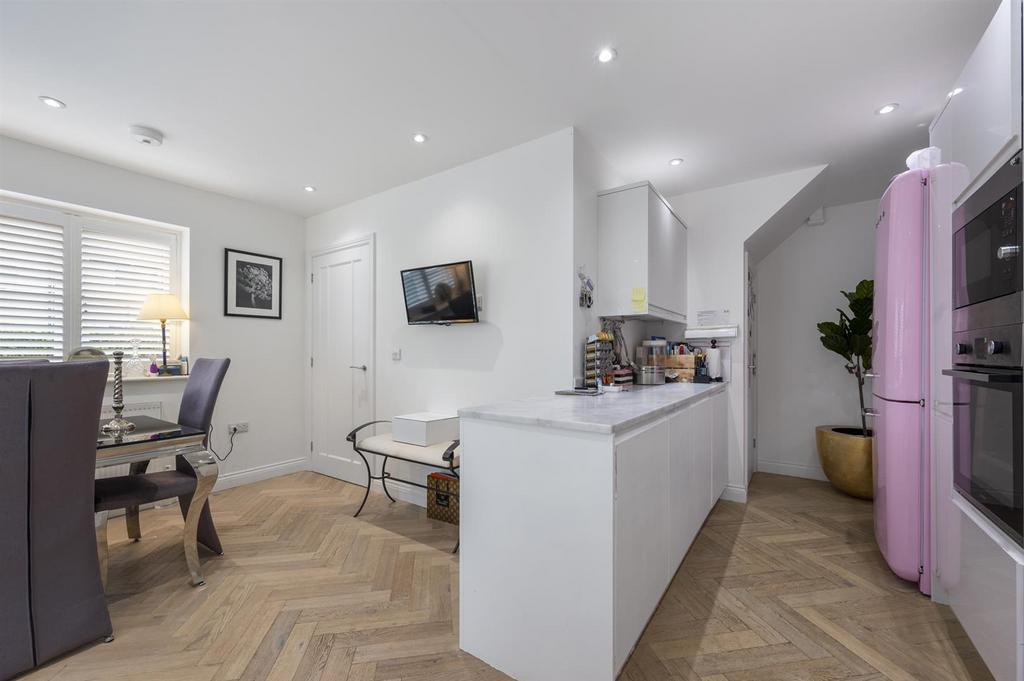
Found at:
[432, 455]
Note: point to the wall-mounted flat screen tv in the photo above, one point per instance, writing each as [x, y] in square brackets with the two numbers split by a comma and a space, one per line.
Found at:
[440, 294]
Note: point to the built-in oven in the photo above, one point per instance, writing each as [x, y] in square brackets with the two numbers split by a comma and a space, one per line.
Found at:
[988, 335]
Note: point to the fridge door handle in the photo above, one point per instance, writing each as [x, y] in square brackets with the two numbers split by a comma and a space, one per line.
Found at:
[870, 413]
[984, 376]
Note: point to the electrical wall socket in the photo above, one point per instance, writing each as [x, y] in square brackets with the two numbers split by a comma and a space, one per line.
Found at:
[238, 427]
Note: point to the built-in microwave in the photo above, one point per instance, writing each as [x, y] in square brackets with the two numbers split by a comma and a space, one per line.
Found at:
[987, 241]
[988, 340]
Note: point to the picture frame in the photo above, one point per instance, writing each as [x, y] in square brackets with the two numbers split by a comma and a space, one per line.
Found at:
[252, 284]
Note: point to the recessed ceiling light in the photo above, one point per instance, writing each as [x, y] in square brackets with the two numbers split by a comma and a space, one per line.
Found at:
[51, 102]
[888, 109]
[606, 54]
[419, 138]
[676, 162]
[954, 92]
[309, 188]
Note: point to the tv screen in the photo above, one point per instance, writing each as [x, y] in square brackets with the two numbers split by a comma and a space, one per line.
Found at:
[440, 294]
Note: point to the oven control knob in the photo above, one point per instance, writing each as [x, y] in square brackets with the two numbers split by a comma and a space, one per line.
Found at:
[994, 347]
[961, 348]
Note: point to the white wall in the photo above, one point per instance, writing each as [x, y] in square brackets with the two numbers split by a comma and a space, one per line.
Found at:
[591, 174]
[720, 221]
[802, 385]
[265, 383]
[511, 213]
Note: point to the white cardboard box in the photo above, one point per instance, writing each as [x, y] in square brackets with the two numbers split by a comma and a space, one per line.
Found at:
[425, 428]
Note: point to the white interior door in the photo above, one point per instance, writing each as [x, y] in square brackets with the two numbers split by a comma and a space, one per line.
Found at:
[751, 374]
[342, 361]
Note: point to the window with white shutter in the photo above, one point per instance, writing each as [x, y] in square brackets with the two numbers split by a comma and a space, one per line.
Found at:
[72, 278]
[118, 272]
[31, 289]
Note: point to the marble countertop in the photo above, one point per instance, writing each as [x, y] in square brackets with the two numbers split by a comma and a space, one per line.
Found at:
[607, 413]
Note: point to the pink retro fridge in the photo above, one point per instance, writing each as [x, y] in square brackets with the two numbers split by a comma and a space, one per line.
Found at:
[900, 386]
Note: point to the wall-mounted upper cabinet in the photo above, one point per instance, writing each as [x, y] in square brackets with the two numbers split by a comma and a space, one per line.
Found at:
[981, 124]
[641, 272]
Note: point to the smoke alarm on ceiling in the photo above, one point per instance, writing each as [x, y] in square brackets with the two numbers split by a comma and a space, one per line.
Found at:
[147, 136]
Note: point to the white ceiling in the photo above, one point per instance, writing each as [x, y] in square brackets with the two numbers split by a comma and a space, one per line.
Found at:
[257, 100]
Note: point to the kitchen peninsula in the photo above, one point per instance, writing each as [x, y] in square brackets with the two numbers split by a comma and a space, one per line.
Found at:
[576, 513]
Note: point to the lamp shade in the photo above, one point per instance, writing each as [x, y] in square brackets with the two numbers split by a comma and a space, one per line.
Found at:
[162, 306]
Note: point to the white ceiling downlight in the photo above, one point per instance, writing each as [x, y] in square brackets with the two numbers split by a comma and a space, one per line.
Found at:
[309, 188]
[676, 162]
[419, 138]
[52, 102]
[954, 92]
[151, 137]
[887, 109]
[606, 54]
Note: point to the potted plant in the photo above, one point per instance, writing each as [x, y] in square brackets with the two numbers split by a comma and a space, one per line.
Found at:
[845, 451]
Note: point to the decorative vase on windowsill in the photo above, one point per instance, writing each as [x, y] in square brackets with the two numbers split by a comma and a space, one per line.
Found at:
[845, 452]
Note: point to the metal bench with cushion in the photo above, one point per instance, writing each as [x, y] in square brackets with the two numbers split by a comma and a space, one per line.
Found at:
[443, 456]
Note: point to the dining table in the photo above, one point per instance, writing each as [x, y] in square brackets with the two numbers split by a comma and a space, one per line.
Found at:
[151, 439]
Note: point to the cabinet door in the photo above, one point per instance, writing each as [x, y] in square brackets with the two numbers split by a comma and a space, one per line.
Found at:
[689, 484]
[681, 268]
[720, 444]
[622, 232]
[641, 532]
[663, 244]
[986, 114]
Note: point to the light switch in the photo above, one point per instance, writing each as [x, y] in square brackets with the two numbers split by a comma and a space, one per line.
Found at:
[396, 354]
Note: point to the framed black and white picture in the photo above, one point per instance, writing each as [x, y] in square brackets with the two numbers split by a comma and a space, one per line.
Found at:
[252, 284]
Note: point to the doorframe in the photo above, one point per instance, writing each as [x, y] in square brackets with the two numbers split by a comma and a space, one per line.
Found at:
[365, 240]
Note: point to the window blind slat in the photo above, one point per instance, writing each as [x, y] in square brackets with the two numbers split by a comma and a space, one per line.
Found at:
[31, 289]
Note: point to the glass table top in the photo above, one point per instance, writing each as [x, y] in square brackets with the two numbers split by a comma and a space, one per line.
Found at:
[147, 429]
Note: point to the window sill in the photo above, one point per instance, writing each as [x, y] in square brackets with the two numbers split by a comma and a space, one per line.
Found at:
[149, 379]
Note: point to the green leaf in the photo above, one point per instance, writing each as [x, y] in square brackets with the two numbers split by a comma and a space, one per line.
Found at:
[861, 326]
[860, 345]
[862, 308]
[837, 344]
[829, 328]
[866, 289]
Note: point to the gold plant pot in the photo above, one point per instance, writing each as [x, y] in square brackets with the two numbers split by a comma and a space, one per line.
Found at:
[845, 456]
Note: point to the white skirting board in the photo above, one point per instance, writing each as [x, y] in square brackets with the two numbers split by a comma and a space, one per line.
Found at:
[791, 469]
[734, 493]
[257, 473]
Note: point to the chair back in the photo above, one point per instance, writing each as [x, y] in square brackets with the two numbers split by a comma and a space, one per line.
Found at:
[49, 416]
[201, 390]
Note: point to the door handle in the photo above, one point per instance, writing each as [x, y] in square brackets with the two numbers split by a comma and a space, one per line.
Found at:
[361, 367]
[870, 413]
[1004, 252]
[984, 376]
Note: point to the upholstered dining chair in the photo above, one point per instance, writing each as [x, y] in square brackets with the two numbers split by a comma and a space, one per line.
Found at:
[128, 492]
[50, 588]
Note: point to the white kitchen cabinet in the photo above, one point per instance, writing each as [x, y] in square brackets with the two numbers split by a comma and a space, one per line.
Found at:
[642, 526]
[626, 483]
[719, 405]
[985, 117]
[641, 271]
[987, 594]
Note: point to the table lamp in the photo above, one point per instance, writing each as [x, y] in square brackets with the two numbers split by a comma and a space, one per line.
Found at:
[162, 306]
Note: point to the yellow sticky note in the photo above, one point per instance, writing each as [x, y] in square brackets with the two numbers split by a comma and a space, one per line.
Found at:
[639, 299]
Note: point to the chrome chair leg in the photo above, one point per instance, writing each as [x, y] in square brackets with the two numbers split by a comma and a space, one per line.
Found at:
[131, 522]
[205, 467]
[102, 550]
[131, 514]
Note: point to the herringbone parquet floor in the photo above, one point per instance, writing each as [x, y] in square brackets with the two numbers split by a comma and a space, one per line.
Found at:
[788, 587]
